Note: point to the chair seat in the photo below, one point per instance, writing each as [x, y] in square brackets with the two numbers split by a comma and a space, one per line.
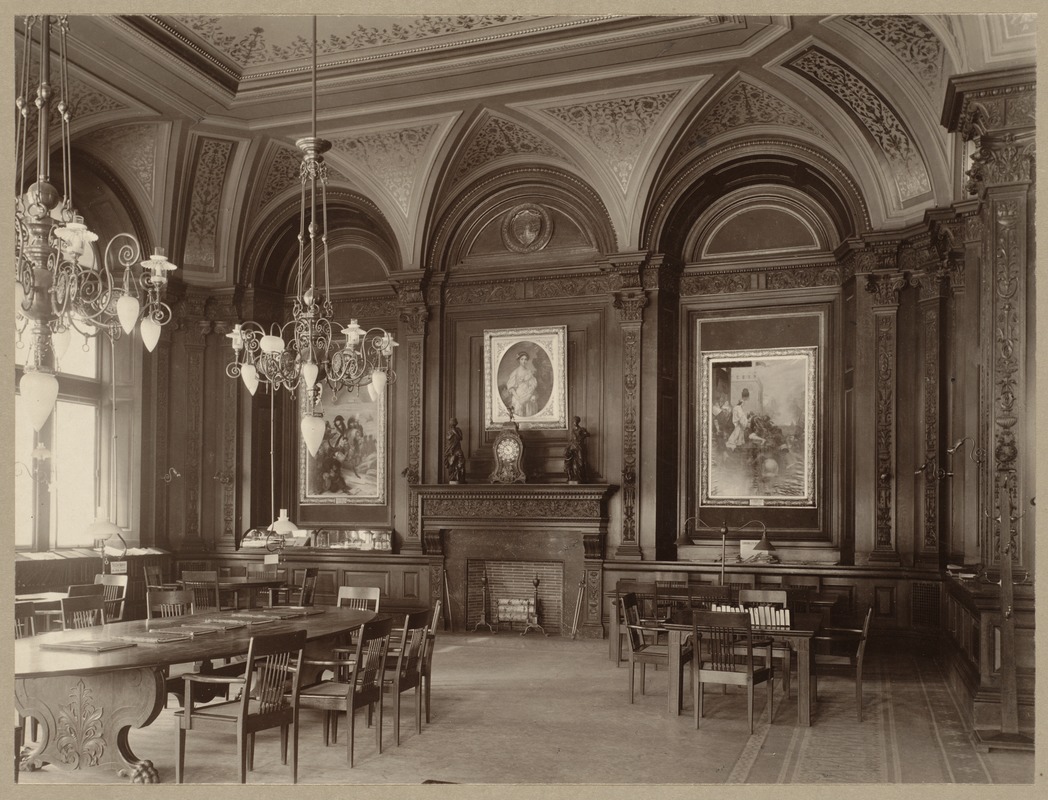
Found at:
[324, 689]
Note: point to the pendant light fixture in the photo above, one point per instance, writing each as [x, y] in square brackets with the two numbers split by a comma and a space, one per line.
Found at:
[306, 352]
[58, 285]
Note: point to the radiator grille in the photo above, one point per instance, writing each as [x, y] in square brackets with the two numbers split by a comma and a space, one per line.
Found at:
[924, 605]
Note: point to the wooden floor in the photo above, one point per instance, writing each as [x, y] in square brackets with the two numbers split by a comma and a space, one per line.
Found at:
[513, 710]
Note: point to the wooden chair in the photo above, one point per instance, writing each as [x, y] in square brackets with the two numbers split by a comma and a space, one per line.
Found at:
[406, 665]
[842, 652]
[25, 619]
[362, 688]
[301, 595]
[192, 566]
[723, 653]
[163, 603]
[365, 598]
[262, 572]
[269, 699]
[427, 656]
[206, 594]
[53, 616]
[114, 592]
[739, 582]
[670, 596]
[84, 611]
[154, 578]
[777, 599]
[642, 651]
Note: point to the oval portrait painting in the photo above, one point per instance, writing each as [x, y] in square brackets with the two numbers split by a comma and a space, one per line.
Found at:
[525, 379]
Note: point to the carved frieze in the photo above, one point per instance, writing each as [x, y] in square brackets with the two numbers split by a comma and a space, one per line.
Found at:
[366, 308]
[513, 507]
[870, 109]
[475, 294]
[579, 286]
[803, 278]
[720, 283]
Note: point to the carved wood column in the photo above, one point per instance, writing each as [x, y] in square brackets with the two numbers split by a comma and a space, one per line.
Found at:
[630, 300]
[225, 466]
[156, 457]
[413, 316]
[885, 286]
[996, 112]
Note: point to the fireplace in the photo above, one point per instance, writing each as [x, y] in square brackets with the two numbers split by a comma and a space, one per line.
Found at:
[511, 533]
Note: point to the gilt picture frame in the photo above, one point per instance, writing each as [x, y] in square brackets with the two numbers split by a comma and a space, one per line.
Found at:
[526, 371]
[350, 465]
[758, 427]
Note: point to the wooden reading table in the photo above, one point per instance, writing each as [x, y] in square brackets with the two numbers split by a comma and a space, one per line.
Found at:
[86, 702]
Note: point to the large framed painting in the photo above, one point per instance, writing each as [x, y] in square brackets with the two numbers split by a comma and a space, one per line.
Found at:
[758, 427]
[350, 464]
[526, 377]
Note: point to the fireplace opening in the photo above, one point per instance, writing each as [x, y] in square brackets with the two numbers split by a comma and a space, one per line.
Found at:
[514, 581]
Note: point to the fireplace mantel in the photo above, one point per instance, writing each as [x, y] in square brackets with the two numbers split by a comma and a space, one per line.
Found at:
[567, 523]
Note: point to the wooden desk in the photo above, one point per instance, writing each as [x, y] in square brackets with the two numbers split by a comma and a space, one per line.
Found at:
[798, 637]
[85, 703]
[245, 585]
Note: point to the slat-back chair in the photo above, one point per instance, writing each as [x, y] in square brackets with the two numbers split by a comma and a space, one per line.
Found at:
[262, 572]
[842, 650]
[427, 657]
[192, 566]
[777, 599]
[269, 699]
[669, 596]
[206, 594]
[723, 653]
[642, 651]
[364, 598]
[25, 619]
[154, 578]
[301, 595]
[84, 611]
[114, 592]
[163, 603]
[406, 667]
[363, 687]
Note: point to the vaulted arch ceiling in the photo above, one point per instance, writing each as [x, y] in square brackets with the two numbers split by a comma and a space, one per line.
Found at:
[419, 107]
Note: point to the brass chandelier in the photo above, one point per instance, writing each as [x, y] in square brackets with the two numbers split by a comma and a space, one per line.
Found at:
[58, 286]
[311, 350]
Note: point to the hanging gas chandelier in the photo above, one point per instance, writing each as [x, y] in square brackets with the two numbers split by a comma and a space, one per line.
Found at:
[59, 286]
[311, 350]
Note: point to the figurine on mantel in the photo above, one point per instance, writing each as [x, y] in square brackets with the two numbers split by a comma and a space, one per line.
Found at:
[575, 453]
[454, 460]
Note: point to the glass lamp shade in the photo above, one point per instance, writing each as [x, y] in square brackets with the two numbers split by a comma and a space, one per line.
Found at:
[271, 344]
[249, 375]
[127, 308]
[312, 432]
[150, 333]
[40, 390]
[60, 342]
[101, 528]
[352, 332]
[372, 393]
[378, 381]
[283, 525]
[309, 373]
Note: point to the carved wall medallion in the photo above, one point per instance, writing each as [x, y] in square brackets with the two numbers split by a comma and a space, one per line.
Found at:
[526, 228]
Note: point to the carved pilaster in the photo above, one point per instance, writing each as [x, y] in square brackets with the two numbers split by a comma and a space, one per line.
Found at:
[931, 290]
[885, 288]
[226, 466]
[630, 304]
[413, 317]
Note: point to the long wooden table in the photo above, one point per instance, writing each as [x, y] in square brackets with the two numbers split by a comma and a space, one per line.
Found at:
[798, 637]
[87, 702]
[246, 586]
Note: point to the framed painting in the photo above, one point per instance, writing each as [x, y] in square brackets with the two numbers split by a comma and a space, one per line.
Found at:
[350, 465]
[757, 426]
[526, 377]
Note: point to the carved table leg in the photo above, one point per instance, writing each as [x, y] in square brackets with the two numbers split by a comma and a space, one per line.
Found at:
[84, 720]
